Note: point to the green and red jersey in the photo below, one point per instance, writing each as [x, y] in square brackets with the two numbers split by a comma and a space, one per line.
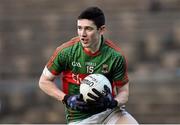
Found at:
[75, 63]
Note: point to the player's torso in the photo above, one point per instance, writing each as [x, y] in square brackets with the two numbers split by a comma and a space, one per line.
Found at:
[81, 63]
[78, 63]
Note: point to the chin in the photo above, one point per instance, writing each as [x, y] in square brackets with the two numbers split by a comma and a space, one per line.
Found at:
[85, 45]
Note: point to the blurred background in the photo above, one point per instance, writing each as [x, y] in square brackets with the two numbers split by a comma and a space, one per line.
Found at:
[148, 31]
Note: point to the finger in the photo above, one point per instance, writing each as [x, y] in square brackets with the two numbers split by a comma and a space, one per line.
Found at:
[83, 108]
[92, 96]
[80, 97]
[91, 102]
[97, 92]
[81, 103]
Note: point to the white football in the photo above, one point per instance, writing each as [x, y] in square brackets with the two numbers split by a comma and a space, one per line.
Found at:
[91, 81]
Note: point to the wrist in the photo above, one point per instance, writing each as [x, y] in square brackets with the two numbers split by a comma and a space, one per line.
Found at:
[113, 104]
[64, 101]
[119, 104]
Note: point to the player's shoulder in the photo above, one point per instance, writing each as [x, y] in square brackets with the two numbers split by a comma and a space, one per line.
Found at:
[114, 47]
[68, 44]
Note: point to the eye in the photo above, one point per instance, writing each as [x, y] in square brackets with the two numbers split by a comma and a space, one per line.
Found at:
[89, 28]
[79, 27]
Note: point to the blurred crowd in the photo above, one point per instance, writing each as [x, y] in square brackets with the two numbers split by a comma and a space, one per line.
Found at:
[148, 32]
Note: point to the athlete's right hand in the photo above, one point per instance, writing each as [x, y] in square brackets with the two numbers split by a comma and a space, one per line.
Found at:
[76, 102]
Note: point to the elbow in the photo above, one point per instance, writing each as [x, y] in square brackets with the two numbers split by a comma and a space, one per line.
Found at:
[40, 83]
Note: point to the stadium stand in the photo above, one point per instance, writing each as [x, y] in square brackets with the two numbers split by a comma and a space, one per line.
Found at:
[147, 31]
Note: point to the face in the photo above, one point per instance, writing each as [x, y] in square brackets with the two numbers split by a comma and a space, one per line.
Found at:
[88, 33]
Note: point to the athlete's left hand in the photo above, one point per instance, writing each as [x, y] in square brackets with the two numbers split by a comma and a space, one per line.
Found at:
[102, 101]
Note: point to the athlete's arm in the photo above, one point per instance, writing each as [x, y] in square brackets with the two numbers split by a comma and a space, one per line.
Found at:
[123, 94]
[47, 84]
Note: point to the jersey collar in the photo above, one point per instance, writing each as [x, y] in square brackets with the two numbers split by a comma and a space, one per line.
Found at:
[97, 52]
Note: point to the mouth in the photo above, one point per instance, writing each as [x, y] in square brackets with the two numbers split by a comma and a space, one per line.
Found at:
[85, 41]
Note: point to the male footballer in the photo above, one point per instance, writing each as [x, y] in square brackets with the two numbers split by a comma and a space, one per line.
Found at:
[88, 53]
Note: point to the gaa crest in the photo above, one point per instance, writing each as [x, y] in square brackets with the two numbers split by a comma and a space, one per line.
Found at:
[105, 68]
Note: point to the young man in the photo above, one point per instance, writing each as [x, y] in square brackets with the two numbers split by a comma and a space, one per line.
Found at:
[89, 53]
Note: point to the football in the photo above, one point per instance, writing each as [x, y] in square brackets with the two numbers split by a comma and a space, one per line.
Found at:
[96, 81]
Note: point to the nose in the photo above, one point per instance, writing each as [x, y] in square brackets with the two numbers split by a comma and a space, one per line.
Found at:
[83, 33]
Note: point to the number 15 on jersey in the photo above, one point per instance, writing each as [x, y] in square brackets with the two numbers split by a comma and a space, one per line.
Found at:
[90, 69]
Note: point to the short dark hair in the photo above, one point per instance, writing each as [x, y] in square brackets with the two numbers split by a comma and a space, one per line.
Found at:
[95, 14]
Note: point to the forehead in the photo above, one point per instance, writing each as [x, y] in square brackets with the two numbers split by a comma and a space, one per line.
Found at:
[85, 22]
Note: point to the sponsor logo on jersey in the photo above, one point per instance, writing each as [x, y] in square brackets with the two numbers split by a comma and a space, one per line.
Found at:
[105, 68]
[76, 78]
[90, 64]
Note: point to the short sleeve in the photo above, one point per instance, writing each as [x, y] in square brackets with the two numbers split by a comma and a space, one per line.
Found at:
[57, 62]
[120, 76]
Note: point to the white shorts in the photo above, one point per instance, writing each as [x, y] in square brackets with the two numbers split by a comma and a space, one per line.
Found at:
[109, 116]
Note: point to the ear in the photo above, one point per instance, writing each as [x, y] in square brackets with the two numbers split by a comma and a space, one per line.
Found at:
[102, 29]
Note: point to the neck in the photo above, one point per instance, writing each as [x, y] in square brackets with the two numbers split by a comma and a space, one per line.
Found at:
[96, 47]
